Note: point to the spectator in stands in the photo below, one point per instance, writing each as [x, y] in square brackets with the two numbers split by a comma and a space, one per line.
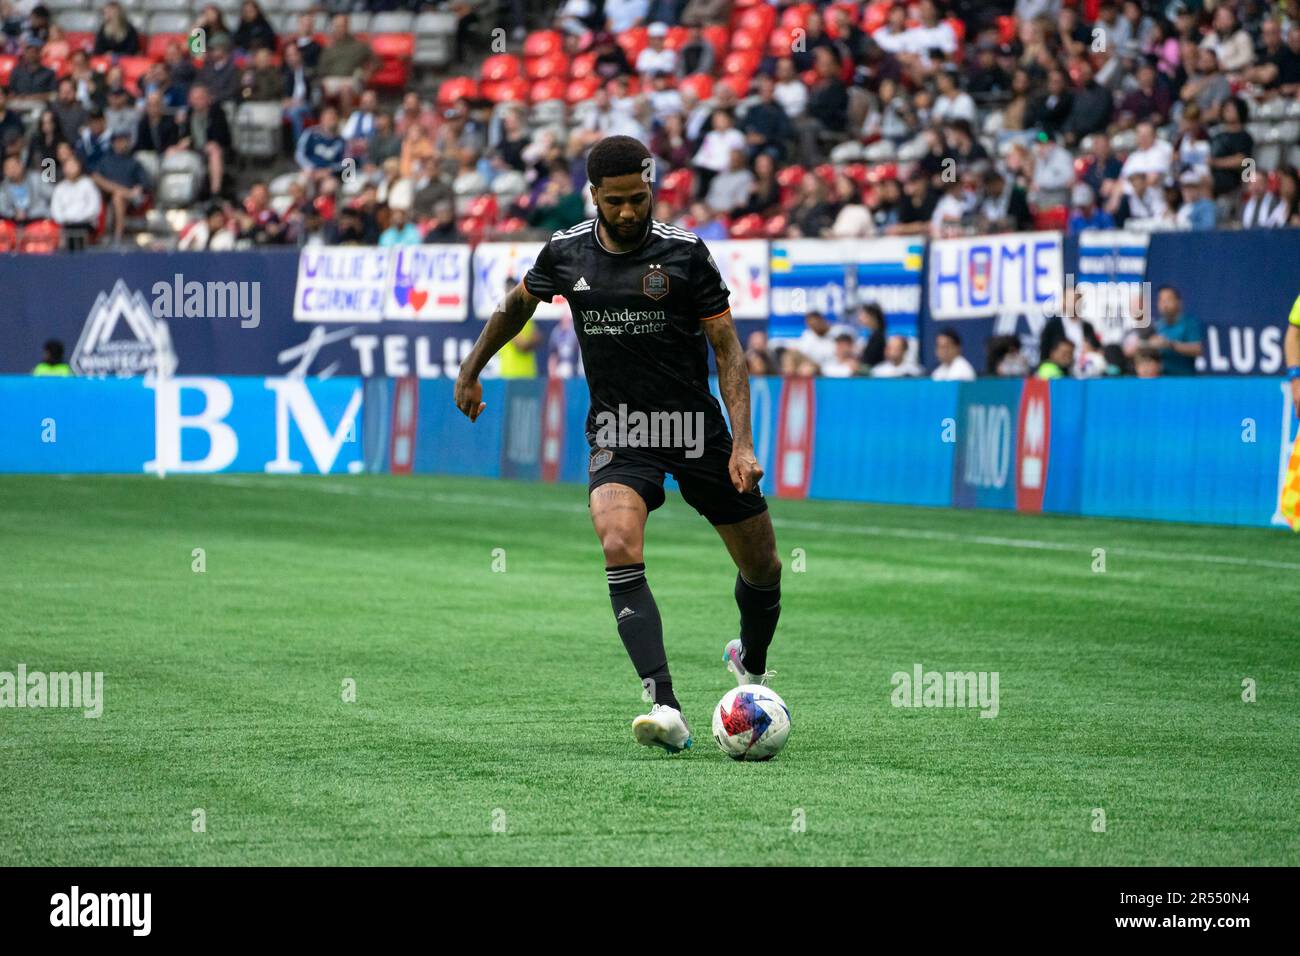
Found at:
[262, 81]
[181, 73]
[211, 233]
[442, 228]
[1005, 359]
[93, 142]
[385, 144]
[1152, 157]
[156, 132]
[1052, 110]
[400, 231]
[696, 54]
[790, 90]
[916, 207]
[1021, 111]
[1004, 207]
[826, 117]
[1091, 106]
[951, 102]
[656, 57]
[853, 219]
[1151, 100]
[1070, 326]
[117, 35]
[871, 334]
[121, 116]
[1146, 363]
[24, 195]
[1230, 148]
[949, 211]
[297, 90]
[43, 148]
[952, 366]
[219, 73]
[52, 363]
[843, 363]
[319, 153]
[704, 222]
[1053, 173]
[815, 212]
[346, 64]
[1085, 213]
[714, 154]
[817, 341]
[305, 41]
[1139, 201]
[1059, 360]
[1196, 210]
[702, 13]
[1207, 87]
[254, 31]
[11, 123]
[729, 190]
[89, 82]
[257, 221]
[75, 204]
[1230, 44]
[30, 83]
[213, 24]
[758, 357]
[203, 129]
[122, 180]
[610, 61]
[1176, 336]
[897, 363]
[69, 111]
[764, 196]
[766, 125]
[559, 206]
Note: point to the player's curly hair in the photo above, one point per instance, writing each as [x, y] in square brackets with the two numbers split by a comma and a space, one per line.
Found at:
[616, 156]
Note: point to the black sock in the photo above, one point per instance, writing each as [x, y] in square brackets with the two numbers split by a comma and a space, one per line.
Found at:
[641, 630]
[760, 609]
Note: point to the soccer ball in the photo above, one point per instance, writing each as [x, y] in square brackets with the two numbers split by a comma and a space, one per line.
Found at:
[751, 723]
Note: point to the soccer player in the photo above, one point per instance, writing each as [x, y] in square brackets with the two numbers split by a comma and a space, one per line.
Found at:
[645, 296]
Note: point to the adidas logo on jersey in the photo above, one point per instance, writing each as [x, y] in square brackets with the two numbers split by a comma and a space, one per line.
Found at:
[581, 285]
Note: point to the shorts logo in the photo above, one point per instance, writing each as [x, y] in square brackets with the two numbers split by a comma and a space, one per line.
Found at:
[600, 459]
[655, 284]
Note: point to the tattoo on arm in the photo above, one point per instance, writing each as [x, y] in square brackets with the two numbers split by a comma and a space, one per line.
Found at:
[510, 316]
[733, 376]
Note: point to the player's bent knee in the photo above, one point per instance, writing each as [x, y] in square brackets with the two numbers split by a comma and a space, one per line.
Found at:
[621, 546]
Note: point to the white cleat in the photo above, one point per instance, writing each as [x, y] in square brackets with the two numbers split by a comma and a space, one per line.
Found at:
[663, 727]
[731, 656]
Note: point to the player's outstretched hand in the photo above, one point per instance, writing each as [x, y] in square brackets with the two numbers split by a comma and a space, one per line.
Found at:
[469, 397]
[745, 473]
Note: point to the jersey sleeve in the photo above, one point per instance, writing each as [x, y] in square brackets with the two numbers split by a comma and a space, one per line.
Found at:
[540, 280]
[1295, 312]
[712, 297]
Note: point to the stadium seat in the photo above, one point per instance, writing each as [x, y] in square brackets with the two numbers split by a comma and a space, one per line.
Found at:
[157, 44]
[552, 88]
[550, 66]
[781, 41]
[797, 15]
[133, 68]
[485, 208]
[8, 236]
[457, 88]
[1054, 217]
[876, 15]
[395, 52]
[182, 174]
[748, 227]
[677, 186]
[258, 130]
[719, 37]
[499, 68]
[542, 43]
[435, 39]
[507, 91]
[743, 62]
[757, 19]
[739, 83]
[676, 38]
[509, 227]
[743, 41]
[776, 226]
[398, 21]
[40, 237]
[633, 42]
[701, 84]
[583, 89]
[583, 66]
[6, 67]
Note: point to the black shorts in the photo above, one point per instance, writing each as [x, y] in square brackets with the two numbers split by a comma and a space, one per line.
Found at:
[705, 482]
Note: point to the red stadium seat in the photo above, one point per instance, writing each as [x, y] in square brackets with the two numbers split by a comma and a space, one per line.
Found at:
[741, 62]
[879, 174]
[8, 236]
[781, 41]
[543, 43]
[508, 227]
[757, 19]
[547, 67]
[458, 88]
[472, 228]
[1007, 29]
[499, 68]
[1055, 217]
[776, 226]
[548, 89]
[42, 236]
[133, 68]
[857, 172]
[677, 186]
[583, 89]
[633, 42]
[720, 38]
[677, 37]
[828, 17]
[797, 16]
[80, 41]
[791, 176]
[6, 67]
[748, 227]
[508, 91]
[826, 172]
[739, 83]
[484, 207]
[101, 63]
[701, 84]
[745, 41]
[583, 66]
[876, 15]
[394, 51]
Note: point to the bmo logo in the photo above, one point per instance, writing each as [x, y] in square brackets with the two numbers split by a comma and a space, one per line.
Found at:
[988, 446]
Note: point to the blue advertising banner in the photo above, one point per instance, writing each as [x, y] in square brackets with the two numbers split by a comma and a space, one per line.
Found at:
[983, 471]
[187, 425]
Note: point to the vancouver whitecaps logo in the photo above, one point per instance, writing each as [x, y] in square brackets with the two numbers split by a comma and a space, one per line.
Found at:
[148, 348]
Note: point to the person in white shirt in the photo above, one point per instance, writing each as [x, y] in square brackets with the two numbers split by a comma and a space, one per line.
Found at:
[817, 343]
[791, 92]
[75, 200]
[1230, 43]
[656, 57]
[931, 34]
[729, 190]
[843, 363]
[953, 366]
[892, 37]
[623, 15]
[952, 102]
[664, 100]
[714, 154]
[897, 363]
[1151, 156]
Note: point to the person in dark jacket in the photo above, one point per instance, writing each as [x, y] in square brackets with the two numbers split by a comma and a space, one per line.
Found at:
[254, 31]
[766, 126]
[203, 129]
[116, 33]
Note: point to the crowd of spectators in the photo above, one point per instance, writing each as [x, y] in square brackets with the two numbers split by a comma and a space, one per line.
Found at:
[790, 119]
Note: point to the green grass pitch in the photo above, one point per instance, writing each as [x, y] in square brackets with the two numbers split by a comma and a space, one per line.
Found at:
[492, 711]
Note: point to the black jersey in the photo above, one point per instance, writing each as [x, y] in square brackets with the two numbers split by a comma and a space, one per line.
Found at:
[638, 316]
